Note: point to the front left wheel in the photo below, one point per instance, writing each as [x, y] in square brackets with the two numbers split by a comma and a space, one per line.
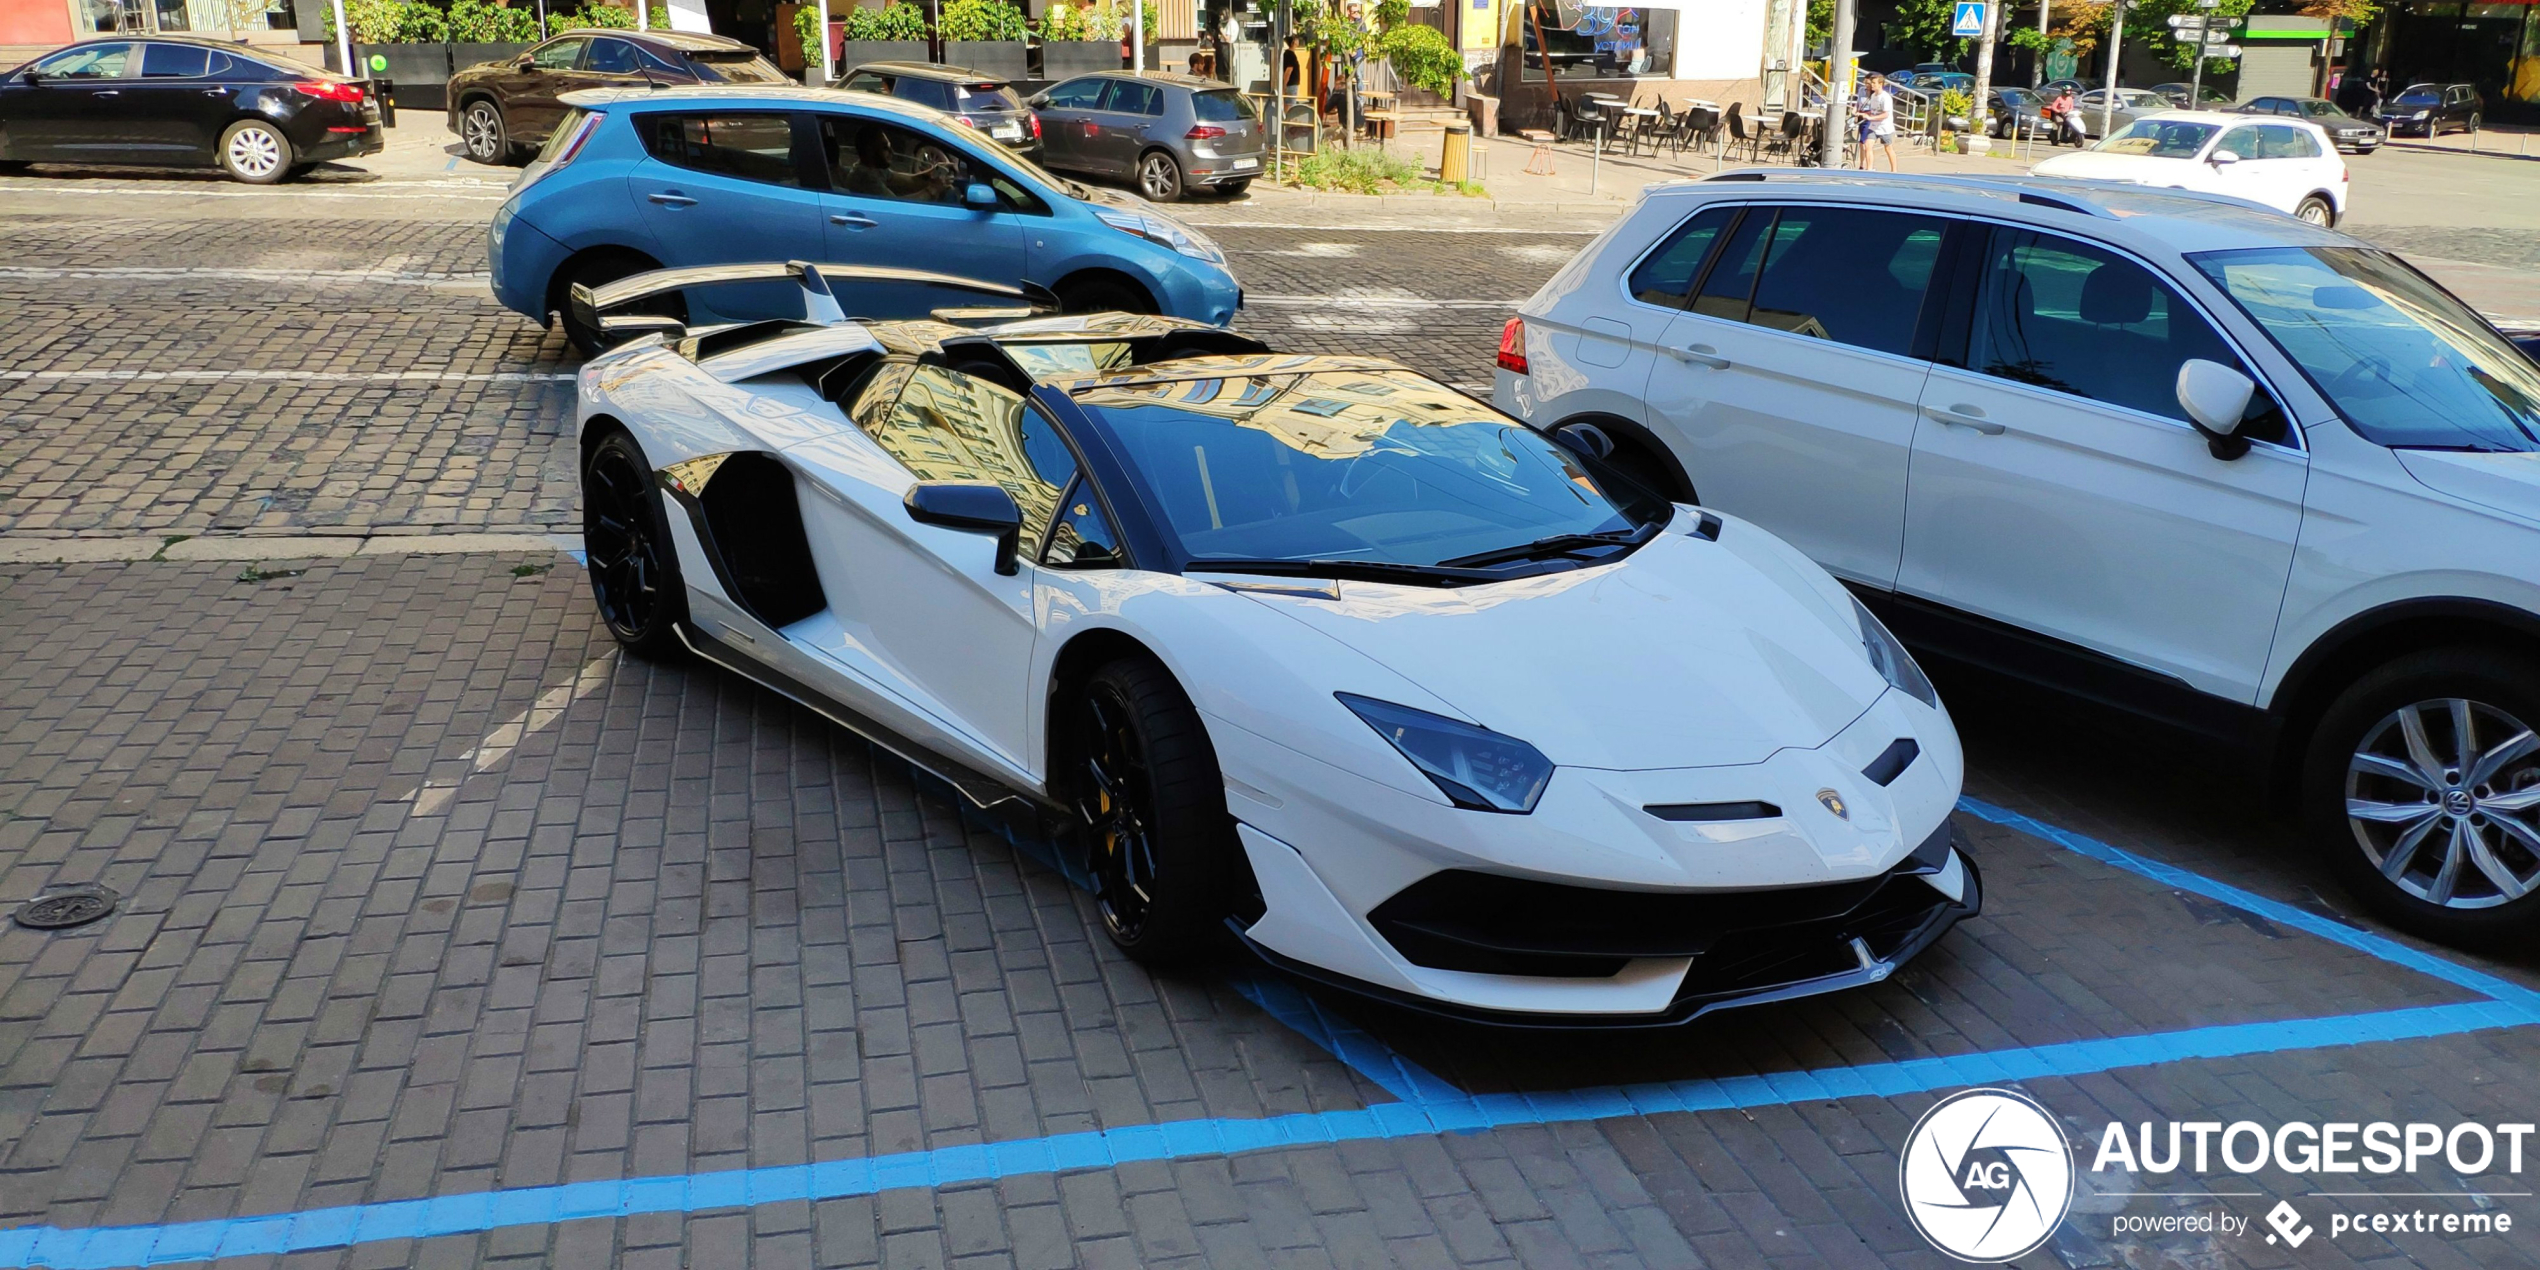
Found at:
[626, 544]
[2315, 211]
[2423, 784]
[255, 152]
[1157, 838]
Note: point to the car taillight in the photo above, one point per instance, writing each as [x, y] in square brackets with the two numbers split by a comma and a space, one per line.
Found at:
[1036, 126]
[330, 90]
[965, 121]
[1512, 346]
[1204, 132]
[573, 144]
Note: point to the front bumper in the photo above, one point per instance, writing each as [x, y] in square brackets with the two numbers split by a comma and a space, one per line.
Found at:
[1402, 896]
[1721, 949]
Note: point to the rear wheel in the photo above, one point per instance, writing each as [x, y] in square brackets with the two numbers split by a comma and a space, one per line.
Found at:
[598, 269]
[2423, 784]
[1158, 840]
[2315, 210]
[634, 568]
[1160, 176]
[255, 152]
[481, 133]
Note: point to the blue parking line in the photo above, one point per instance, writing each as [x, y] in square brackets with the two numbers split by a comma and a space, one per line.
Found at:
[1428, 1105]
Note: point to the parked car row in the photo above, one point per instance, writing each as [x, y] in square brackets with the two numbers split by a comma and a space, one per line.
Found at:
[171, 101]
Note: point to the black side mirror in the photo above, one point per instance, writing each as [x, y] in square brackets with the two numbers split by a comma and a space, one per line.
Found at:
[971, 507]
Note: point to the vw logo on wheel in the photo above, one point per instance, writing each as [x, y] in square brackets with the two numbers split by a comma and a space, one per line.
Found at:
[1987, 1175]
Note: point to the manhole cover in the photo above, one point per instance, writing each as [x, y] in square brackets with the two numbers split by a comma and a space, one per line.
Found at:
[70, 906]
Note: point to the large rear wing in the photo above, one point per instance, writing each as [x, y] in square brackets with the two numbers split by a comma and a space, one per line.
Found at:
[820, 291]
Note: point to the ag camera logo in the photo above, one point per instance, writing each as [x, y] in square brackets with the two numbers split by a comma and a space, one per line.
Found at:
[1987, 1175]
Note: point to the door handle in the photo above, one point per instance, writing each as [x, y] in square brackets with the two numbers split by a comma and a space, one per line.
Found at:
[854, 220]
[107, 92]
[216, 92]
[672, 199]
[1700, 355]
[1965, 417]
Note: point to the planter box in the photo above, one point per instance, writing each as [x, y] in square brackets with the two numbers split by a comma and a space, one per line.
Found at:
[1067, 59]
[418, 74]
[997, 59]
[855, 53]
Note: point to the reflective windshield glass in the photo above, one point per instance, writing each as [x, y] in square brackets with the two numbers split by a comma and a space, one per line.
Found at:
[2405, 363]
[1221, 105]
[2160, 138]
[984, 97]
[738, 68]
[1379, 466]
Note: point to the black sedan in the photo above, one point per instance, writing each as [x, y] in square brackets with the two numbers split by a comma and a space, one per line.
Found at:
[2351, 134]
[175, 102]
[2016, 113]
[504, 110]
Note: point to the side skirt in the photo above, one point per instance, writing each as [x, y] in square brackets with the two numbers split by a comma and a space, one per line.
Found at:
[983, 791]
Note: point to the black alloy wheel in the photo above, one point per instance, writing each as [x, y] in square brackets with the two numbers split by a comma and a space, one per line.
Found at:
[634, 568]
[1157, 838]
[481, 132]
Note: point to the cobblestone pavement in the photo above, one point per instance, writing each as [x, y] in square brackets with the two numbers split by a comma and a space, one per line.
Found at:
[429, 893]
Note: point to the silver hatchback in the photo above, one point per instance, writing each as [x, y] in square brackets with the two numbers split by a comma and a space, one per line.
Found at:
[1168, 133]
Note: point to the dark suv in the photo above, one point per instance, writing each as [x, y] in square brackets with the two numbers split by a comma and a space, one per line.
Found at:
[982, 101]
[503, 111]
[2428, 109]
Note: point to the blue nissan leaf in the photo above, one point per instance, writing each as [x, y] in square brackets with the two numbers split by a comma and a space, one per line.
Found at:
[636, 179]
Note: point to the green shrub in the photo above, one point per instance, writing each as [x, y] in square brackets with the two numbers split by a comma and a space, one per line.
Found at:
[983, 20]
[1421, 57]
[659, 18]
[1357, 171]
[899, 21]
[1063, 22]
[594, 16]
[422, 24]
[807, 29]
[1392, 13]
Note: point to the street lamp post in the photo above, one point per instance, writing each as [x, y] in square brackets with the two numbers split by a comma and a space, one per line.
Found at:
[343, 40]
[1979, 118]
[2196, 78]
[1838, 80]
[2116, 54]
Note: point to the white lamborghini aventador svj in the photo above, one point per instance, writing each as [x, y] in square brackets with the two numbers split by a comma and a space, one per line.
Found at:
[1315, 649]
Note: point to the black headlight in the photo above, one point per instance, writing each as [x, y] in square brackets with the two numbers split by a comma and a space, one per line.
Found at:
[1477, 769]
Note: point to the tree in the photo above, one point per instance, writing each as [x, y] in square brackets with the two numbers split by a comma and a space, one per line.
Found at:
[1924, 24]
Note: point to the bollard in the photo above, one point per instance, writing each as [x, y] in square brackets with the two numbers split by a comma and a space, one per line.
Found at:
[1455, 163]
[385, 91]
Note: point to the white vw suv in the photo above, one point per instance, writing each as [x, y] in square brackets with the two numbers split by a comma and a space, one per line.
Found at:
[2171, 452]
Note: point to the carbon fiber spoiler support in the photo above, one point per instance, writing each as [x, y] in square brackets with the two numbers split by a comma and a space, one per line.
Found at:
[819, 283]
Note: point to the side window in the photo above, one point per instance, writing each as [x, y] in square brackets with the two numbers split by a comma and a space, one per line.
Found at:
[1081, 537]
[867, 82]
[873, 400]
[1731, 283]
[2240, 141]
[947, 426]
[2290, 143]
[610, 57]
[88, 61]
[925, 92]
[561, 55]
[1129, 97]
[1078, 94]
[1667, 274]
[752, 146]
[2072, 317]
[660, 65]
[1847, 274]
[880, 160]
[175, 61]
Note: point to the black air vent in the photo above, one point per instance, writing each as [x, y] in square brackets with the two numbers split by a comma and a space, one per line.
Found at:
[1892, 762]
[1697, 812]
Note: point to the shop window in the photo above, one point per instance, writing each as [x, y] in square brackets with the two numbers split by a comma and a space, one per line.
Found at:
[1616, 43]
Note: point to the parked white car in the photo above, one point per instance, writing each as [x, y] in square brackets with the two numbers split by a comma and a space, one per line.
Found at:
[2291, 165]
[1292, 643]
[2170, 452]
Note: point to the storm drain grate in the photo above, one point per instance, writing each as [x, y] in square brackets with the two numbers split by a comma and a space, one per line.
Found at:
[65, 908]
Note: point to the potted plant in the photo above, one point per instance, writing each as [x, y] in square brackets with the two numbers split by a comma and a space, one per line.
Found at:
[893, 33]
[416, 45]
[1071, 47]
[986, 36]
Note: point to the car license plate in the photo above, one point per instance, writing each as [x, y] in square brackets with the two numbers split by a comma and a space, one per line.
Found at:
[1007, 132]
[1245, 165]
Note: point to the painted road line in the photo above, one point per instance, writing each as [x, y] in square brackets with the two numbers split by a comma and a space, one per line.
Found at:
[111, 1248]
[1346, 301]
[316, 544]
[1413, 228]
[296, 195]
[434, 796]
[323, 277]
[291, 376]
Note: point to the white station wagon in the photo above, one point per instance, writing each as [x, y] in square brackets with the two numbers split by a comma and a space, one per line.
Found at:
[2171, 452]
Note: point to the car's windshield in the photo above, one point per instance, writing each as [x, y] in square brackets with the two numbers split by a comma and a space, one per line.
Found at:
[2317, 109]
[2405, 363]
[737, 67]
[2422, 92]
[2160, 138]
[1377, 466]
[984, 97]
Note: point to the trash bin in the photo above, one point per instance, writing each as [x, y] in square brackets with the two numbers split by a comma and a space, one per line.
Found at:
[1455, 166]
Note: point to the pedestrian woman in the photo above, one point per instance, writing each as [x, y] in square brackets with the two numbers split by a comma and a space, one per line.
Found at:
[1877, 113]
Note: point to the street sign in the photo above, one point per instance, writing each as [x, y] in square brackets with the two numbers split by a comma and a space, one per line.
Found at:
[2223, 51]
[2218, 37]
[1968, 18]
[2188, 21]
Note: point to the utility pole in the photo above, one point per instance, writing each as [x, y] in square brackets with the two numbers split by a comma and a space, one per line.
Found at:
[2196, 78]
[344, 43]
[2116, 54]
[828, 73]
[1979, 115]
[2037, 64]
[1838, 80]
[1137, 36]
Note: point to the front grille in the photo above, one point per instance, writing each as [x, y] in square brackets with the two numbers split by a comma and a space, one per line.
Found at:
[1487, 923]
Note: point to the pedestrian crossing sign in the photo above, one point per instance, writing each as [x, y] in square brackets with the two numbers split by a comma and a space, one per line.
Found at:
[1969, 18]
